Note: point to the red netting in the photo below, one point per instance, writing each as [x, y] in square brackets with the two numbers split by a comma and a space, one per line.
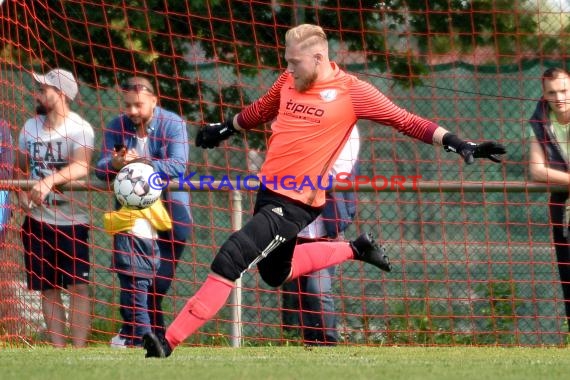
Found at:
[471, 247]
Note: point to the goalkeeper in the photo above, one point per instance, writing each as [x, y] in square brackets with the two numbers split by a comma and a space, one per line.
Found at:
[313, 107]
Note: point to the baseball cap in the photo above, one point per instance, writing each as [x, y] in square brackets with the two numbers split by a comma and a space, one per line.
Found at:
[61, 79]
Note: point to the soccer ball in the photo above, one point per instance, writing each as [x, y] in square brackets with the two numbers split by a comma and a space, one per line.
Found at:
[132, 188]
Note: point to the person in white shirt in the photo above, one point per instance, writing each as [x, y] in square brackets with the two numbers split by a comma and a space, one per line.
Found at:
[54, 148]
[308, 302]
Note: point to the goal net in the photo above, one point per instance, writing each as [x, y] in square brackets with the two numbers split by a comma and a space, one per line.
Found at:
[471, 245]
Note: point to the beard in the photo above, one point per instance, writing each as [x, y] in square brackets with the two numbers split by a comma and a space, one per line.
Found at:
[41, 110]
[305, 84]
[136, 120]
[139, 120]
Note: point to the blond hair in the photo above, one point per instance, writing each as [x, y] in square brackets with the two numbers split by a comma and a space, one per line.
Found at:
[306, 35]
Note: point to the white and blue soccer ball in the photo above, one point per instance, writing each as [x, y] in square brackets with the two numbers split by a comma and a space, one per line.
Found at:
[132, 186]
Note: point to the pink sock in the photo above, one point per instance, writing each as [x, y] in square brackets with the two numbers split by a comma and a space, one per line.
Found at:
[203, 306]
[311, 257]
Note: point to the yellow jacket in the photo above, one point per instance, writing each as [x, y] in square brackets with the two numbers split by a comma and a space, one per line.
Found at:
[124, 218]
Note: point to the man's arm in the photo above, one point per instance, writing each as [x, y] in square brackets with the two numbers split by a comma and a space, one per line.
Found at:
[78, 168]
[539, 171]
[177, 147]
[104, 169]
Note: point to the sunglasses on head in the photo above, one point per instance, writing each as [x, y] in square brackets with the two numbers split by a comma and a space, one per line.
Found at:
[136, 87]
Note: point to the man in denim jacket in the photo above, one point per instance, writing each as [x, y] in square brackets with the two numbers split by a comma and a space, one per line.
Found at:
[150, 132]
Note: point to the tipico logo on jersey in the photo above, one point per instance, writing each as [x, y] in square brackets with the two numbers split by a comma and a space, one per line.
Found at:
[329, 95]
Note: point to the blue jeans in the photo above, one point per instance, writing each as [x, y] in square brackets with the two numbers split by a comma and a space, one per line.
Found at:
[170, 252]
[133, 299]
[308, 303]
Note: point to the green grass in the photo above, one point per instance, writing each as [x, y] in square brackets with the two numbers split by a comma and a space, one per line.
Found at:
[353, 363]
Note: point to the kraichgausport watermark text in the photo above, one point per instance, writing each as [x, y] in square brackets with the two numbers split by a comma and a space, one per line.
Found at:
[338, 182]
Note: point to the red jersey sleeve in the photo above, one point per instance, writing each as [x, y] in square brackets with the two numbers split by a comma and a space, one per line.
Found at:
[265, 108]
[370, 104]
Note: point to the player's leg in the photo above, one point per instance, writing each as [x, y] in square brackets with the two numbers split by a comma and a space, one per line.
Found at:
[285, 264]
[285, 219]
[75, 267]
[267, 231]
[260, 235]
[200, 308]
[312, 257]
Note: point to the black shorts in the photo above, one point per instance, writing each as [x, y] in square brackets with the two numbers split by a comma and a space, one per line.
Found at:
[274, 215]
[55, 256]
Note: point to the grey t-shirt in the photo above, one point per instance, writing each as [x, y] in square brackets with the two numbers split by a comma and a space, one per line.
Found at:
[49, 150]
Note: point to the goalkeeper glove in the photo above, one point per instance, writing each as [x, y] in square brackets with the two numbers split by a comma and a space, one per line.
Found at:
[212, 134]
[470, 150]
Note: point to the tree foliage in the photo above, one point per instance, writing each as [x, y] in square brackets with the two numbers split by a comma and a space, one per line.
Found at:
[441, 26]
[103, 42]
[106, 41]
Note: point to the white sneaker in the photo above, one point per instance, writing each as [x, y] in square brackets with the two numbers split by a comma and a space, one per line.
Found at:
[118, 342]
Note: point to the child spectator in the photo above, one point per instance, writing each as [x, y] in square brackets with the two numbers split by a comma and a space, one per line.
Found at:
[136, 258]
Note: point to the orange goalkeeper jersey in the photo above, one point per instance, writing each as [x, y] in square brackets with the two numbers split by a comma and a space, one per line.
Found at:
[309, 129]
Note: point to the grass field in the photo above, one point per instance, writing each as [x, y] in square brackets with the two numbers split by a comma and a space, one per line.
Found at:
[392, 363]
